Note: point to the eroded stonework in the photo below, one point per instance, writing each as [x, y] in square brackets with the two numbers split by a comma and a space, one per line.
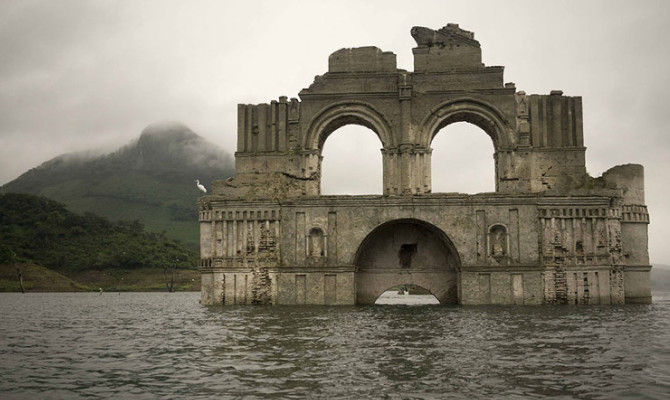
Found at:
[549, 234]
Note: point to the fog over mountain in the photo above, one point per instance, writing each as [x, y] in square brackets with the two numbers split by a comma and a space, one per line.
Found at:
[79, 75]
[150, 179]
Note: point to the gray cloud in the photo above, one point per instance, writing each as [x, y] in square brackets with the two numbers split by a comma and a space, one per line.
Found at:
[82, 74]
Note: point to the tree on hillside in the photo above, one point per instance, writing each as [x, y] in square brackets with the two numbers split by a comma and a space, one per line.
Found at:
[8, 256]
[46, 233]
[170, 268]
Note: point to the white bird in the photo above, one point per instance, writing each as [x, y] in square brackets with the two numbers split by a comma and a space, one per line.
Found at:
[200, 186]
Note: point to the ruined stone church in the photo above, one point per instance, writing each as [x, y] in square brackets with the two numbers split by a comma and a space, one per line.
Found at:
[549, 234]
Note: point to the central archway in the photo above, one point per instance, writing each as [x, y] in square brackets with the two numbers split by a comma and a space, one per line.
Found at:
[406, 251]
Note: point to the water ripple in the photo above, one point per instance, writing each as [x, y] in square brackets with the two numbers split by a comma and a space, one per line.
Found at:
[150, 345]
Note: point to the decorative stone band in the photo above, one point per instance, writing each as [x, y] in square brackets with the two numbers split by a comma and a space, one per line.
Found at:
[243, 262]
[239, 215]
[210, 265]
[205, 263]
[580, 212]
[641, 268]
[204, 216]
[587, 235]
[635, 213]
[233, 237]
[407, 149]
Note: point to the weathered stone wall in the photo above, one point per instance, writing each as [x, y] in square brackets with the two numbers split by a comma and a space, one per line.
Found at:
[549, 234]
[538, 139]
[495, 239]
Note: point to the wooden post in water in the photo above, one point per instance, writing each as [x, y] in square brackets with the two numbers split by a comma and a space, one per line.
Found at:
[170, 283]
[20, 276]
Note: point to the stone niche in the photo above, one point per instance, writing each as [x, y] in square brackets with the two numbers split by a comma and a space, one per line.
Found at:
[316, 246]
[498, 242]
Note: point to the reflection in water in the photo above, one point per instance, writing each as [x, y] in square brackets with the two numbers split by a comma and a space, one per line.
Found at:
[143, 345]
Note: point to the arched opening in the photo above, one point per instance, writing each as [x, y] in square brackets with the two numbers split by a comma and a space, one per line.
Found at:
[462, 160]
[406, 252]
[351, 162]
[407, 294]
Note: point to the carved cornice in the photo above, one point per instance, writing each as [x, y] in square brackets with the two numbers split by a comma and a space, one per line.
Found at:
[634, 214]
[348, 95]
[281, 269]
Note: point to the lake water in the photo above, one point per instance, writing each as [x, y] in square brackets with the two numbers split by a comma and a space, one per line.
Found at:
[151, 345]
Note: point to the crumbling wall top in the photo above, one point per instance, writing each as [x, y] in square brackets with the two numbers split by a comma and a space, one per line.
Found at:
[538, 139]
[362, 59]
[448, 35]
[630, 179]
[446, 49]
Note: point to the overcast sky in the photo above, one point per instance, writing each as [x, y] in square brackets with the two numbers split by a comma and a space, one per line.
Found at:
[80, 75]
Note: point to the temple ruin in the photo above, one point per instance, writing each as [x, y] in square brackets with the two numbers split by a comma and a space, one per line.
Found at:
[549, 234]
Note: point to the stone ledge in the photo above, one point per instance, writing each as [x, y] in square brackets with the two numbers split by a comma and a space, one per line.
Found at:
[279, 270]
[641, 268]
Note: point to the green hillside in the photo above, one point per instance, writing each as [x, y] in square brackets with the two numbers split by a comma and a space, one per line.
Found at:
[150, 180]
[41, 231]
[36, 279]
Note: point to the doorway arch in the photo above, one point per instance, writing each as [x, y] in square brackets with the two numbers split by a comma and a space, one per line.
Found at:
[407, 251]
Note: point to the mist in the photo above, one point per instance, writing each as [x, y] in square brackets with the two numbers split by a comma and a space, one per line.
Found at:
[82, 75]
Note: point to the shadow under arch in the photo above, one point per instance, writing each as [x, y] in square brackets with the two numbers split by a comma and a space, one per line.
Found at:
[471, 110]
[337, 115]
[407, 251]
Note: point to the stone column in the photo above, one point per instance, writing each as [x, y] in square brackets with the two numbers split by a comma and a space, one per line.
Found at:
[206, 237]
[406, 159]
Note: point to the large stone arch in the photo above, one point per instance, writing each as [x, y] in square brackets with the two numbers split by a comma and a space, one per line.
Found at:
[337, 115]
[407, 251]
[477, 112]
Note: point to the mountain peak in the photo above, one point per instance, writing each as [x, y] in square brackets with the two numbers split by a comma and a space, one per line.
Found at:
[150, 179]
[167, 130]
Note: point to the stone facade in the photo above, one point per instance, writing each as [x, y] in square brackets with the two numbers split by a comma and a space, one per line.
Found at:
[549, 234]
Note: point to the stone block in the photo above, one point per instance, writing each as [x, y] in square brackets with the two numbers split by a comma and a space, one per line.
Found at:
[362, 59]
